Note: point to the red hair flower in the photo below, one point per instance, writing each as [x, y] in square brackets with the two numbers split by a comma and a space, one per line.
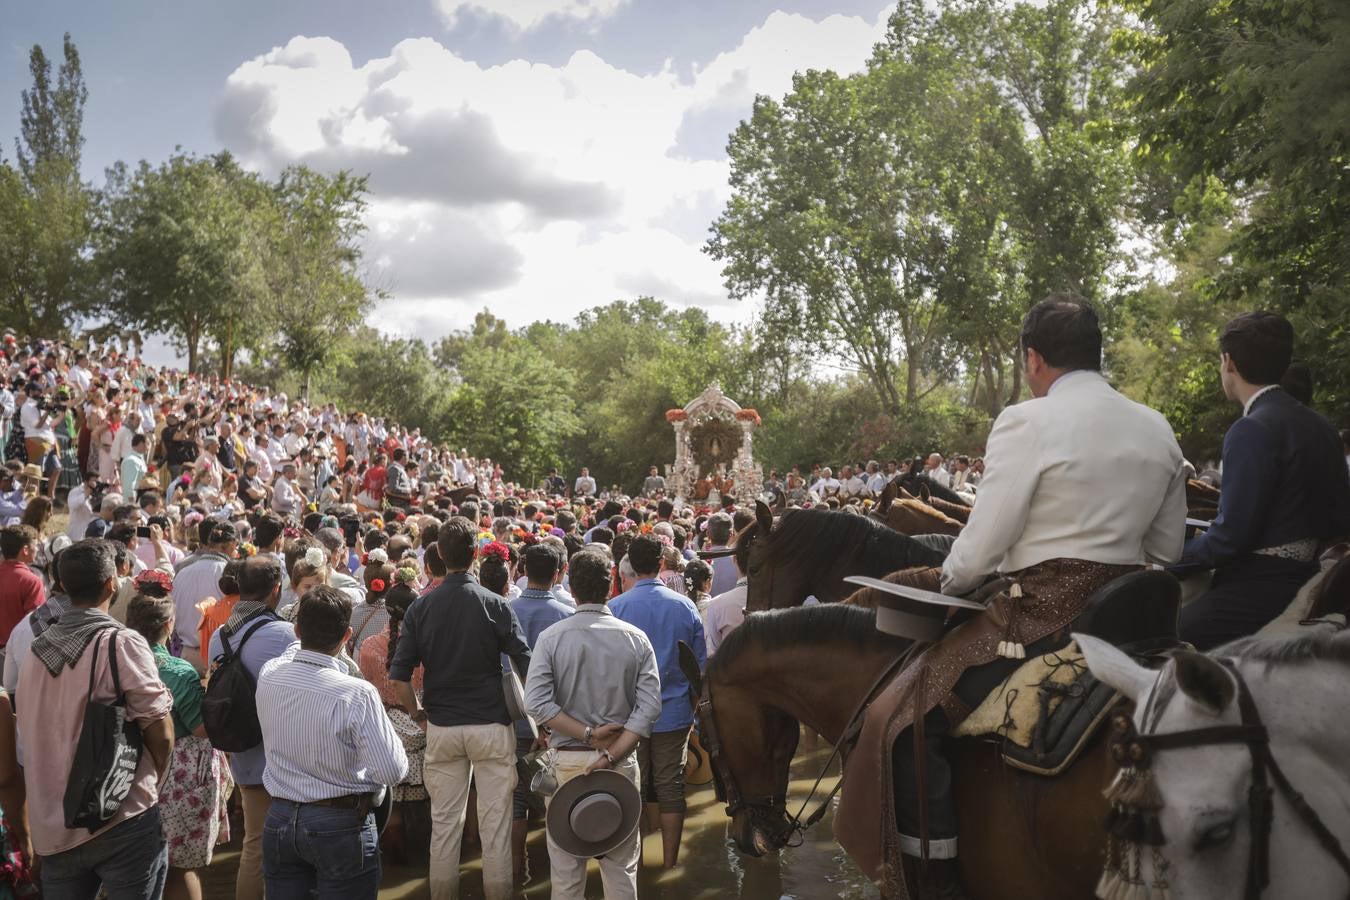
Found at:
[378, 585]
[499, 550]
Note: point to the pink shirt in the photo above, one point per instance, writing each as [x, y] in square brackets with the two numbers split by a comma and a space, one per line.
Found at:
[50, 717]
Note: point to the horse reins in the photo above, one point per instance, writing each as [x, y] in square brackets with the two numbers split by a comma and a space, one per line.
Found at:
[1132, 748]
[735, 802]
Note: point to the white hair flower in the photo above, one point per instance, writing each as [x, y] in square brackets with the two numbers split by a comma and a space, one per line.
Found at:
[315, 556]
[378, 556]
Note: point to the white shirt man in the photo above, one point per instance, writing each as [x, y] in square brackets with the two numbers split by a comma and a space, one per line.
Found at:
[1042, 496]
[36, 424]
[258, 453]
[877, 480]
[80, 376]
[724, 613]
[851, 485]
[826, 485]
[285, 497]
[935, 471]
[81, 513]
[585, 485]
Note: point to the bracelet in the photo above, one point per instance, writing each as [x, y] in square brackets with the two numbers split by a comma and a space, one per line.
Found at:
[586, 735]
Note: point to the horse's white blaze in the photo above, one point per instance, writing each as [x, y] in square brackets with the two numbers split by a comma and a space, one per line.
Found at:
[1205, 789]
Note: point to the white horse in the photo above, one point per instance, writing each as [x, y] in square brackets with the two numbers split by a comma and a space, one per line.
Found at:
[1298, 686]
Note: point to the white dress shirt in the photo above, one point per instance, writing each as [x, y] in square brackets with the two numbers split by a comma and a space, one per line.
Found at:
[725, 612]
[259, 456]
[325, 733]
[1081, 473]
[192, 584]
[80, 512]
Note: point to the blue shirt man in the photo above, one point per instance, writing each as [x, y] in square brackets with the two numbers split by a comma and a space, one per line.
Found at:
[667, 618]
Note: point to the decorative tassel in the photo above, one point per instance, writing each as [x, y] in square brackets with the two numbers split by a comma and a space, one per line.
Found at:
[1010, 647]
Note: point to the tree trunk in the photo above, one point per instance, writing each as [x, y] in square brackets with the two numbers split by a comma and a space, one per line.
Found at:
[911, 378]
[308, 376]
[1016, 391]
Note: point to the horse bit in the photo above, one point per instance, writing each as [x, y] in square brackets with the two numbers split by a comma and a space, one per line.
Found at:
[1135, 820]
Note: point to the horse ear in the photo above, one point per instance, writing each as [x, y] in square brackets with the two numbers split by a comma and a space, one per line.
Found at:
[1204, 680]
[763, 516]
[924, 493]
[1115, 667]
[689, 666]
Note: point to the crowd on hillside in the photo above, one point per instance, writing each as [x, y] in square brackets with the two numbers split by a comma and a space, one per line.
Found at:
[366, 586]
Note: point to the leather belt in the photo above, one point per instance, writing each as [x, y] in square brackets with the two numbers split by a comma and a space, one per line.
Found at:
[362, 803]
[1300, 551]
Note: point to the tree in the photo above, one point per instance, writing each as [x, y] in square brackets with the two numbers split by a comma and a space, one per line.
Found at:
[181, 250]
[1253, 94]
[387, 376]
[314, 265]
[44, 270]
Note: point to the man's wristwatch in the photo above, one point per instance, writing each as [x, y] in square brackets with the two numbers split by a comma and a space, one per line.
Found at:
[586, 736]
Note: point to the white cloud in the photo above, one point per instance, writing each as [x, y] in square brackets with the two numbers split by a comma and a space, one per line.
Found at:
[535, 190]
[527, 14]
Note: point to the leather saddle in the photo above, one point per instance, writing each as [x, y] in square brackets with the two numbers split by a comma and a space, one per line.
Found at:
[1136, 612]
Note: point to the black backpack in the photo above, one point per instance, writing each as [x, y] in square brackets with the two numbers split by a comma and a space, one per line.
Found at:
[230, 708]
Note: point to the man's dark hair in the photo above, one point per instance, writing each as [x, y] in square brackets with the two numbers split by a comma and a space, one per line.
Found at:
[603, 535]
[121, 533]
[267, 529]
[541, 563]
[322, 618]
[611, 509]
[13, 538]
[138, 440]
[400, 454]
[470, 510]
[1063, 328]
[330, 538]
[85, 566]
[645, 554]
[149, 499]
[1261, 345]
[126, 512]
[258, 577]
[665, 509]
[431, 558]
[456, 540]
[1297, 382]
[589, 576]
[741, 520]
[719, 528]
[565, 519]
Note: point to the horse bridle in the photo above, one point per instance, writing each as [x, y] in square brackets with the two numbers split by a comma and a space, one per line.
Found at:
[1131, 748]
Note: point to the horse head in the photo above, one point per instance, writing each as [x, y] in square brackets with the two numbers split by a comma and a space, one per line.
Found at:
[1212, 733]
[914, 517]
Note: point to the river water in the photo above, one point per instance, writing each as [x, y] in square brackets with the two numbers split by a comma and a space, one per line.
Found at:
[710, 866]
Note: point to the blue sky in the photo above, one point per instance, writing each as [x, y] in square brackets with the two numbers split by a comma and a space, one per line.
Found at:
[536, 157]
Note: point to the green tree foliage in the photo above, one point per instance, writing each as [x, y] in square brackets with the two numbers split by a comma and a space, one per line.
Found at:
[386, 376]
[1255, 94]
[182, 250]
[901, 219]
[313, 265]
[44, 206]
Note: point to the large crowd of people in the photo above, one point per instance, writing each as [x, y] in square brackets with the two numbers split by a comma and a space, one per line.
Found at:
[336, 629]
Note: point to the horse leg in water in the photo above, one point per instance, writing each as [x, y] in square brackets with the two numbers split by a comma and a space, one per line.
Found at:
[1023, 835]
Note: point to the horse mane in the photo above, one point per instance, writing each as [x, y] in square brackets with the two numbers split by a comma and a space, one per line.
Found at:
[934, 489]
[813, 625]
[1313, 644]
[830, 534]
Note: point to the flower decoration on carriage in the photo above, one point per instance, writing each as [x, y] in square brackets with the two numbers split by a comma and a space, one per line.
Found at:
[676, 415]
[749, 415]
[497, 550]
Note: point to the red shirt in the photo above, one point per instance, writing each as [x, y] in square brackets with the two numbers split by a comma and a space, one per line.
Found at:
[374, 481]
[21, 592]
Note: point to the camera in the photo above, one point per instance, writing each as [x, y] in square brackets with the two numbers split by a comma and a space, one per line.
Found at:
[51, 405]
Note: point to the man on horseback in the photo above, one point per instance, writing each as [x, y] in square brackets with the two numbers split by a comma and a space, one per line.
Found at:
[1285, 491]
[1082, 486]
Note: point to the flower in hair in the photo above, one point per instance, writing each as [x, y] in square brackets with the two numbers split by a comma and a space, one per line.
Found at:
[192, 518]
[624, 525]
[246, 550]
[290, 531]
[666, 539]
[378, 585]
[377, 557]
[405, 575]
[498, 550]
[315, 556]
[645, 528]
[156, 577]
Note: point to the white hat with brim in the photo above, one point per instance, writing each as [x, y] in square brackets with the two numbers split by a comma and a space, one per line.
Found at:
[592, 814]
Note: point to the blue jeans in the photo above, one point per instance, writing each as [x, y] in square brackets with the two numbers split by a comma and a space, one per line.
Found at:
[309, 849]
[130, 860]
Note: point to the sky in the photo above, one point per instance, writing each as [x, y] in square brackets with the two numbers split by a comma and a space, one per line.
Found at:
[532, 157]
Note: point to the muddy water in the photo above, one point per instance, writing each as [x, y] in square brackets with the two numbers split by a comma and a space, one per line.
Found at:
[710, 866]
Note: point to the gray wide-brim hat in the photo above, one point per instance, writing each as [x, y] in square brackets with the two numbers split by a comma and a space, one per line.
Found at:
[592, 814]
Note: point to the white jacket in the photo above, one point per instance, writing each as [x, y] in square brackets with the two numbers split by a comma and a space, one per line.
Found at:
[1081, 473]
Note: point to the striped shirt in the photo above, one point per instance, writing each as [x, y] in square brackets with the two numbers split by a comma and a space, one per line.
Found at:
[326, 733]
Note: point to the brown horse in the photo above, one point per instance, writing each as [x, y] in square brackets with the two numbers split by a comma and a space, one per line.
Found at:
[893, 493]
[914, 517]
[1022, 836]
[809, 552]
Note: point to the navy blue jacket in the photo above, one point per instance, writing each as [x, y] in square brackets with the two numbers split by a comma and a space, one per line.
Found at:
[1284, 479]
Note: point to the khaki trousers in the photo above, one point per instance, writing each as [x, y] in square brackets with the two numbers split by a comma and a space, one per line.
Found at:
[256, 802]
[456, 755]
[618, 868]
